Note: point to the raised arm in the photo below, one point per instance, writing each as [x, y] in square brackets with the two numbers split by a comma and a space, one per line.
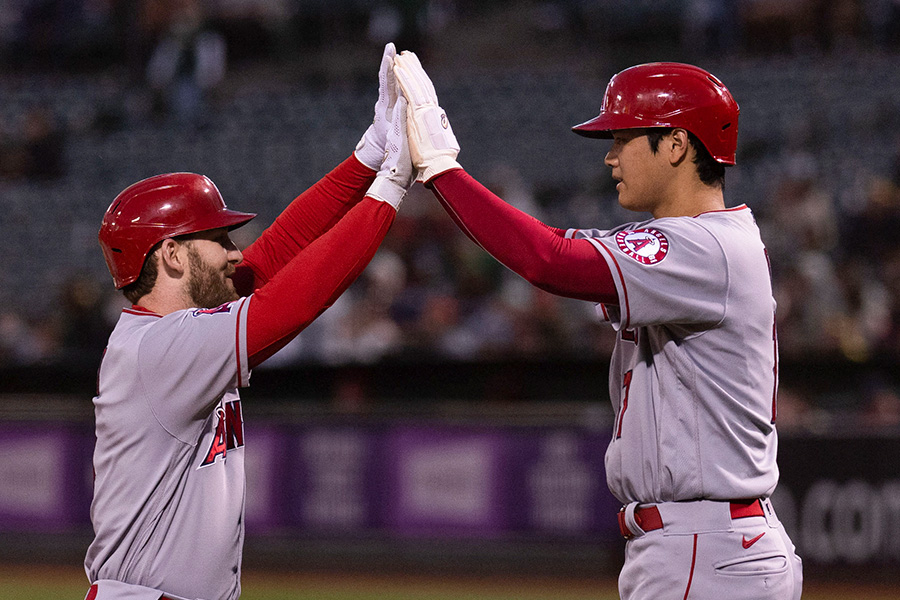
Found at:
[317, 275]
[310, 215]
[320, 272]
[316, 210]
[540, 254]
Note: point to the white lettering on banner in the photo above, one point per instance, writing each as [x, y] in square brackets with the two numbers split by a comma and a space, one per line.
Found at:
[561, 486]
[815, 521]
[854, 521]
[448, 482]
[857, 522]
[335, 462]
[30, 469]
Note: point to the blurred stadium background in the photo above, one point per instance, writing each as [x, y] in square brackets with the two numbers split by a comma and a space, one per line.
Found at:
[444, 417]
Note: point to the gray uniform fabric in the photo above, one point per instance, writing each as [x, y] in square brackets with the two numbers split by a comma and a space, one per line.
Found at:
[169, 463]
[694, 370]
[693, 381]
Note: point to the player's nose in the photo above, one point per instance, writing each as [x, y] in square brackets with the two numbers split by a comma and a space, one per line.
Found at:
[232, 252]
[611, 158]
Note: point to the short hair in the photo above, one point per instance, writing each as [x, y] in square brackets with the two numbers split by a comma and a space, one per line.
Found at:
[143, 285]
[710, 171]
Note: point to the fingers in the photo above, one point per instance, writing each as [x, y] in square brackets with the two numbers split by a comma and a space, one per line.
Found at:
[396, 137]
[399, 115]
[412, 79]
[421, 76]
[387, 59]
[387, 86]
[387, 64]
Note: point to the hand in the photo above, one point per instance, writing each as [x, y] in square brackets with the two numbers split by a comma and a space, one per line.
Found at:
[432, 145]
[370, 149]
[397, 173]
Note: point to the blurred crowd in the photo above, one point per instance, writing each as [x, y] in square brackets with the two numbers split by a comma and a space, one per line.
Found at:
[430, 292]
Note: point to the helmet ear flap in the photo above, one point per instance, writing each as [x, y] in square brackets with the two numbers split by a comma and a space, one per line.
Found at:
[668, 94]
[154, 209]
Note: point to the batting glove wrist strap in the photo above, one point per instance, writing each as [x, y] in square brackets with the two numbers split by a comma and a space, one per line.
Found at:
[370, 149]
[387, 190]
[437, 166]
[432, 144]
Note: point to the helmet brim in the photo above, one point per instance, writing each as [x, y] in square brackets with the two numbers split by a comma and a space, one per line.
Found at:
[232, 219]
[602, 126]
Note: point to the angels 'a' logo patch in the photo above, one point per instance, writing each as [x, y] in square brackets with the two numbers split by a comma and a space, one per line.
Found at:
[647, 246]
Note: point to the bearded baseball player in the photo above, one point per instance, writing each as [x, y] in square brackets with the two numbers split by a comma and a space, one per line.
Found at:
[694, 372]
[169, 485]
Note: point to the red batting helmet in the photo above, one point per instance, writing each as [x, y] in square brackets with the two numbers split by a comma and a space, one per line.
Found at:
[666, 94]
[157, 208]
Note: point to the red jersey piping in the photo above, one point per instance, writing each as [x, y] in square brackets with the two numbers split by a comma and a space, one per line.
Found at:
[141, 311]
[732, 209]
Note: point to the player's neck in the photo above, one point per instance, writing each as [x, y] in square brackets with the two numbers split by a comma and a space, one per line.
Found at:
[690, 201]
[165, 298]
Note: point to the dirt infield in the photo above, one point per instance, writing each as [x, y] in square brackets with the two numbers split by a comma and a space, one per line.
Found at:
[39, 582]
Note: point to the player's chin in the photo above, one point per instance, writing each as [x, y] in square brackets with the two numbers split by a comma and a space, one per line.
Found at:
[230, 291]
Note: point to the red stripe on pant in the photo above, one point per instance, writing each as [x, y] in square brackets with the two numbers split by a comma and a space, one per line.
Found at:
[693, 564]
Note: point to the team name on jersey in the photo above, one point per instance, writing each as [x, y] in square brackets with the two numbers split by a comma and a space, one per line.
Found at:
[229, 432]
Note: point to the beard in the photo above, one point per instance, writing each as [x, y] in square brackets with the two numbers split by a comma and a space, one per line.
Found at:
[207, 287]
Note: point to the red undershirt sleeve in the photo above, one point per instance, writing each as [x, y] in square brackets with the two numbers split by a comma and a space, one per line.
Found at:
[314, 278]
[311, 214]
[539, 253]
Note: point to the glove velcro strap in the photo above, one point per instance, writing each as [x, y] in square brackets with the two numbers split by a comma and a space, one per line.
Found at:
[385, 190]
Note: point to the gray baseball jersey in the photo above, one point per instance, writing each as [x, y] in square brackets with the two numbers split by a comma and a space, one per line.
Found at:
[169, 463]
[695, 368]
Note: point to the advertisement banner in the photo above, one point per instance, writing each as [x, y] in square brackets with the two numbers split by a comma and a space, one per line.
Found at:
[445, 481]
[46, 476]
[332, 479]
[839, 497]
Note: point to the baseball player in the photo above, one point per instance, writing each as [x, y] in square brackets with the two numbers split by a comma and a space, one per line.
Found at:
[694, 372]
[169, 490]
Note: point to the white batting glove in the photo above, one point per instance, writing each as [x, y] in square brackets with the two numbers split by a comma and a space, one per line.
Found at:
[432, 145]
[370, 149]
[397, 173]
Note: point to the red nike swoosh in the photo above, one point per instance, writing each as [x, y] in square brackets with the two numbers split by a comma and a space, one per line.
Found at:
[747, 543]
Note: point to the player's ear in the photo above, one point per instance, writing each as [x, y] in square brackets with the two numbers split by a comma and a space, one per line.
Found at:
[172, 256]
[677, 143]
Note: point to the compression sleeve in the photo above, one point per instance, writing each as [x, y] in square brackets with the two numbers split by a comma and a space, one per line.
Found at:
[539, 253]
[310, 215]
[314, 278]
